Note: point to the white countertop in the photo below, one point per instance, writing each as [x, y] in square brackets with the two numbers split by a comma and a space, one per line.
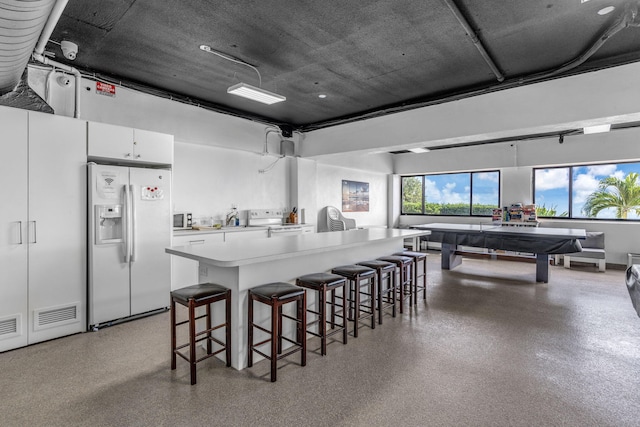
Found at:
[237, 253]
[233, 229]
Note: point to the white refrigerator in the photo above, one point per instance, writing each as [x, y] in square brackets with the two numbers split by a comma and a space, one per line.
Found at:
[130, 225]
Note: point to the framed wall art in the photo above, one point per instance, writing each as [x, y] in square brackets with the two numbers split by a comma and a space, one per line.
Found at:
[355, 196]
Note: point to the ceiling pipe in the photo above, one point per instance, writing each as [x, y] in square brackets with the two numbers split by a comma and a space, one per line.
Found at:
[20, 24]
[72, 70]
[628, 18]
[52, 21]
[474, 38]
[38, 52]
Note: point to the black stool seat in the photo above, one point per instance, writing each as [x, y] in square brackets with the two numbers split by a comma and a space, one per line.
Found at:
[192, 297]
[278, 291]
[359, 276]
[376, 263]
[276, 295]
[397, 259]
[198, 292]
[318, 280]
[326, 285]
[419, 273]
[353, 271]
[386, 273]
[404, 263]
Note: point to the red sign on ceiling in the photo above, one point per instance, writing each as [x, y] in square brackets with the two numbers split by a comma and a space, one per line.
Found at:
[105, 89]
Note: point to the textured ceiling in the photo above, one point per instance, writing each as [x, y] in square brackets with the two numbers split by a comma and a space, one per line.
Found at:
[368, 57]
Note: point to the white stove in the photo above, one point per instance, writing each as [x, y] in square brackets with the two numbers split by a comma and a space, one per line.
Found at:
[274, 219]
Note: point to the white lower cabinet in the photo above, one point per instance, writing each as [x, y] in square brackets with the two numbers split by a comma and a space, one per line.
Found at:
[245, 235]
[184, 272]
[42, 227]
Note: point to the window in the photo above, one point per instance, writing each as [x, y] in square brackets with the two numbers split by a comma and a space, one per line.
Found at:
[461, 194]
[610, 191]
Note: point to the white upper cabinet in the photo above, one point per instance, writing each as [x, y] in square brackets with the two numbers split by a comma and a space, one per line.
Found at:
[121, 143]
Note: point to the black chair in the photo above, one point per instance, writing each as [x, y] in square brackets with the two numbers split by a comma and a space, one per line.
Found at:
[359, 276]
[386, 274]
[323, 284]
[276, 295]
[193, 297]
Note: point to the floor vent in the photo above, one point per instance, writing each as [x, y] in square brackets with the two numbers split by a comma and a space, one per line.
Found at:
[55, 316]
[9, 326]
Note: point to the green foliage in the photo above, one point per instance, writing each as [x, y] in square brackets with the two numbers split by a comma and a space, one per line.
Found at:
[458, 209]
[550, 211]
[412, 194]
[621, 194]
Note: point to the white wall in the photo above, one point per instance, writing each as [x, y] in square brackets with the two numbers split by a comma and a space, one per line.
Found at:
[208, 180]
[329, 193]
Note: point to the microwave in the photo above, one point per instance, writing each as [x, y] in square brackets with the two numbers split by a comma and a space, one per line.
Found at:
[182, 221]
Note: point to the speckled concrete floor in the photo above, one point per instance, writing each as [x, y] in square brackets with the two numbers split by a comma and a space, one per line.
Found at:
[490, 348]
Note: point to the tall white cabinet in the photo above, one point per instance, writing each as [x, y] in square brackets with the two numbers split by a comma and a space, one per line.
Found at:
[42, 227]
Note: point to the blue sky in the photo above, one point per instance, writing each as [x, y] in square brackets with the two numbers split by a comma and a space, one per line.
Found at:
[552, 186]
[454, 188]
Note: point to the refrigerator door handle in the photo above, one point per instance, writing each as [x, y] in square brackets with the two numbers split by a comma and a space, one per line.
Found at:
[127, 219]
[132, 252]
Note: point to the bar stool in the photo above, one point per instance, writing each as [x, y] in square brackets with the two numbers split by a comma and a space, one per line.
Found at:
[359, 276]
[276, 295]
[386, 273]
[404, 264]
[193, 297]
[323, 283]
[419, 271]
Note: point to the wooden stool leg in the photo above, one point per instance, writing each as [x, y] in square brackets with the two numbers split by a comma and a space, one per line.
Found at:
[192, 340]
[322, 326]
[333, 308]
[372, 292]
[356, 314]
[392, 283]
[380, 282]
[209, 334]
[173, 334]
[303, 317]
[279, 329]
[227, 341]
[345, 331]
[276, 322]
[250, 328]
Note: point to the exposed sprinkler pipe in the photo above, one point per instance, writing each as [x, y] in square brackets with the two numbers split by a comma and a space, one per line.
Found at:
[627, 19]
[72, 70]
[474, 38]
[52, 21]
[38, 52]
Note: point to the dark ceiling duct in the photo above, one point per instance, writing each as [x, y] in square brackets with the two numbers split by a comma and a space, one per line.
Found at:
[21, 23]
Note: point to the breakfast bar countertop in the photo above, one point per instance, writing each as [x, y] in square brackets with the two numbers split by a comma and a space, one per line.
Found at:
[238, 253]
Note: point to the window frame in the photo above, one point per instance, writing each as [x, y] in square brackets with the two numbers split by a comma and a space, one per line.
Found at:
[570, 216]
[471, 173]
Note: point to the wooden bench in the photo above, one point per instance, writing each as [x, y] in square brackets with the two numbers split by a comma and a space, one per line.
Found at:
[592, 251]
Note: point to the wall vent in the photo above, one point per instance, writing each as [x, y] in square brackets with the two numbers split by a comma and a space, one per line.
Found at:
[10, 326]
[55, 316]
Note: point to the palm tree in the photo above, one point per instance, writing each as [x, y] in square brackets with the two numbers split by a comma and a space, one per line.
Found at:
[621, 194]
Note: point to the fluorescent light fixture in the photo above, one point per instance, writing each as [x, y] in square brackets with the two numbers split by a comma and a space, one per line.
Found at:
[255, 93]
[419, 150]
[596, 129]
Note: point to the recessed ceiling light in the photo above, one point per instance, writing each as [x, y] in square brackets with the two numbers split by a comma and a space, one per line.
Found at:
[596, 129]
[419, 150]
[322, 95]
[606, 10]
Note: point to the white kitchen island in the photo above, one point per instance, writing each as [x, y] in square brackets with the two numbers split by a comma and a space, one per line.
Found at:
[242, 265]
